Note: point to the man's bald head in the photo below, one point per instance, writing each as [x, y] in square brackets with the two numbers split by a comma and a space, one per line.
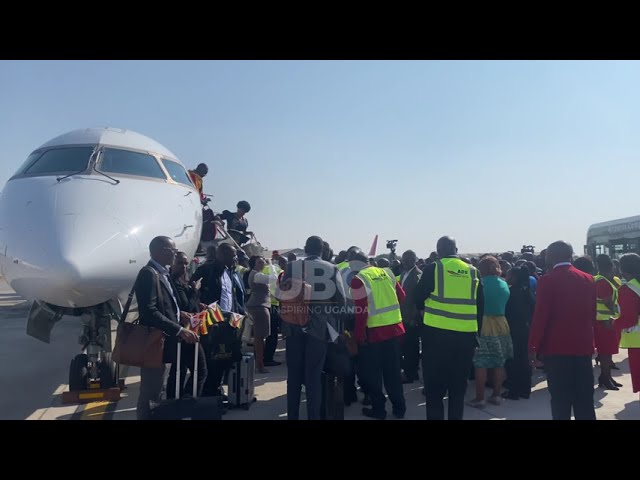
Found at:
[163, 250]
[446, 246]
[558, 252]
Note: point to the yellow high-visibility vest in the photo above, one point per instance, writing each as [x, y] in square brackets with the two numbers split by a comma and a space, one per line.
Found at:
[452, 304]
[603, 311]
[382, 302]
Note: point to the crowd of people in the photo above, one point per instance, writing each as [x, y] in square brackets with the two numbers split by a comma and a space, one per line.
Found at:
[378, 324]
[492, 318]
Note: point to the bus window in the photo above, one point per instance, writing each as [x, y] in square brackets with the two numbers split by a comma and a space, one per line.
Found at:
[600, 249]
[617, 250]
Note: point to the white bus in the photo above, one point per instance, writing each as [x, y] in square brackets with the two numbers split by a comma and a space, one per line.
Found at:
[614, 238]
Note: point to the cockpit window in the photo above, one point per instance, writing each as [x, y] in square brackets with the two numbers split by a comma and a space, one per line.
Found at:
[57, 160]
[130, 163]
[177, 172]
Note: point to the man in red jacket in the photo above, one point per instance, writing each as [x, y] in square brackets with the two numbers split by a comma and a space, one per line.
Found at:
[562, 333]
[378, 335]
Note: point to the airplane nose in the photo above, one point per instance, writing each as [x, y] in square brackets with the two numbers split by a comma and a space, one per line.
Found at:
[74, 263]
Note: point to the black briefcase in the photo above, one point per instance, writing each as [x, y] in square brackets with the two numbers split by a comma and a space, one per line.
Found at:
[188, 408]
[332, 397]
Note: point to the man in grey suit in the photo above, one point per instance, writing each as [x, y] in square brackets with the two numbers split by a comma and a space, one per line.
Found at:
[410, 317]
[307, 346]
[159, 309]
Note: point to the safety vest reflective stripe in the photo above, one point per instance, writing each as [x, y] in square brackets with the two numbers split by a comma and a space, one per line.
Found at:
[630, 337]
[382, 302]
[453, 301]
[452, 305]
[459, 316]
[342, 265]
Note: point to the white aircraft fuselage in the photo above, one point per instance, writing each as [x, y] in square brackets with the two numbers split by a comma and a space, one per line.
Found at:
[79, 241]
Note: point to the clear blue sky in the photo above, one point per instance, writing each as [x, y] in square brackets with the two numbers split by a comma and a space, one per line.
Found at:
[495, 153]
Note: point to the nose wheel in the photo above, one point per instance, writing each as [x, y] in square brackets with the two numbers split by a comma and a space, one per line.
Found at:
[79, 373]
[93, 375]
[108, 371]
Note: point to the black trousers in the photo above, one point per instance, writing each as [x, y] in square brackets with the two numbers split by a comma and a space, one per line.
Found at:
[186, 363]
[411, 352]
[446, 359]
[350, 389]
[570, 380]
[518, 368]
[216, 371]
[381, 363]
[305, 360]
[271, 343]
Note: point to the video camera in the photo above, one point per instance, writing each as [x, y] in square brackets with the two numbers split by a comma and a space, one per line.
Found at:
[528, 249]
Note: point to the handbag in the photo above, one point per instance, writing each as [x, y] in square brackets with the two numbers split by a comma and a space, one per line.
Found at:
[294, 295]
[138, 345]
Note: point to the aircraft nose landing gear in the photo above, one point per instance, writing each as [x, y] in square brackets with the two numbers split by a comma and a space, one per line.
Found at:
[94, 375]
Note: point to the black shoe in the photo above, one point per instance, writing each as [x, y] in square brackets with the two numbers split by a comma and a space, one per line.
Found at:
[525, 396]
[606, 383]
[399, 414]
[511, 396]
[616, 383]
[368, 412]
[366, 400]
[271, 363]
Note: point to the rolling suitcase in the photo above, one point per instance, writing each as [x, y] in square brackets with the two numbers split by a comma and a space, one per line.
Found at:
[188, 408]
[241, 387]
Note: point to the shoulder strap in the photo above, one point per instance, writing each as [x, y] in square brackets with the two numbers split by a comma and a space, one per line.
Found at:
[127, 305]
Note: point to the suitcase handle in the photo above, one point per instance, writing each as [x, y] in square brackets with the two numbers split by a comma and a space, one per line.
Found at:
[195, 369]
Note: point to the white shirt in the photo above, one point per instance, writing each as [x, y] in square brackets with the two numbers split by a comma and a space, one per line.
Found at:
[226, 294]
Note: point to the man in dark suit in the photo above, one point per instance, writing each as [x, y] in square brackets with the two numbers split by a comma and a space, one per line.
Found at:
[562, 334]
[220, 283]
[158, 308]
[410, 317]
[307, 346]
